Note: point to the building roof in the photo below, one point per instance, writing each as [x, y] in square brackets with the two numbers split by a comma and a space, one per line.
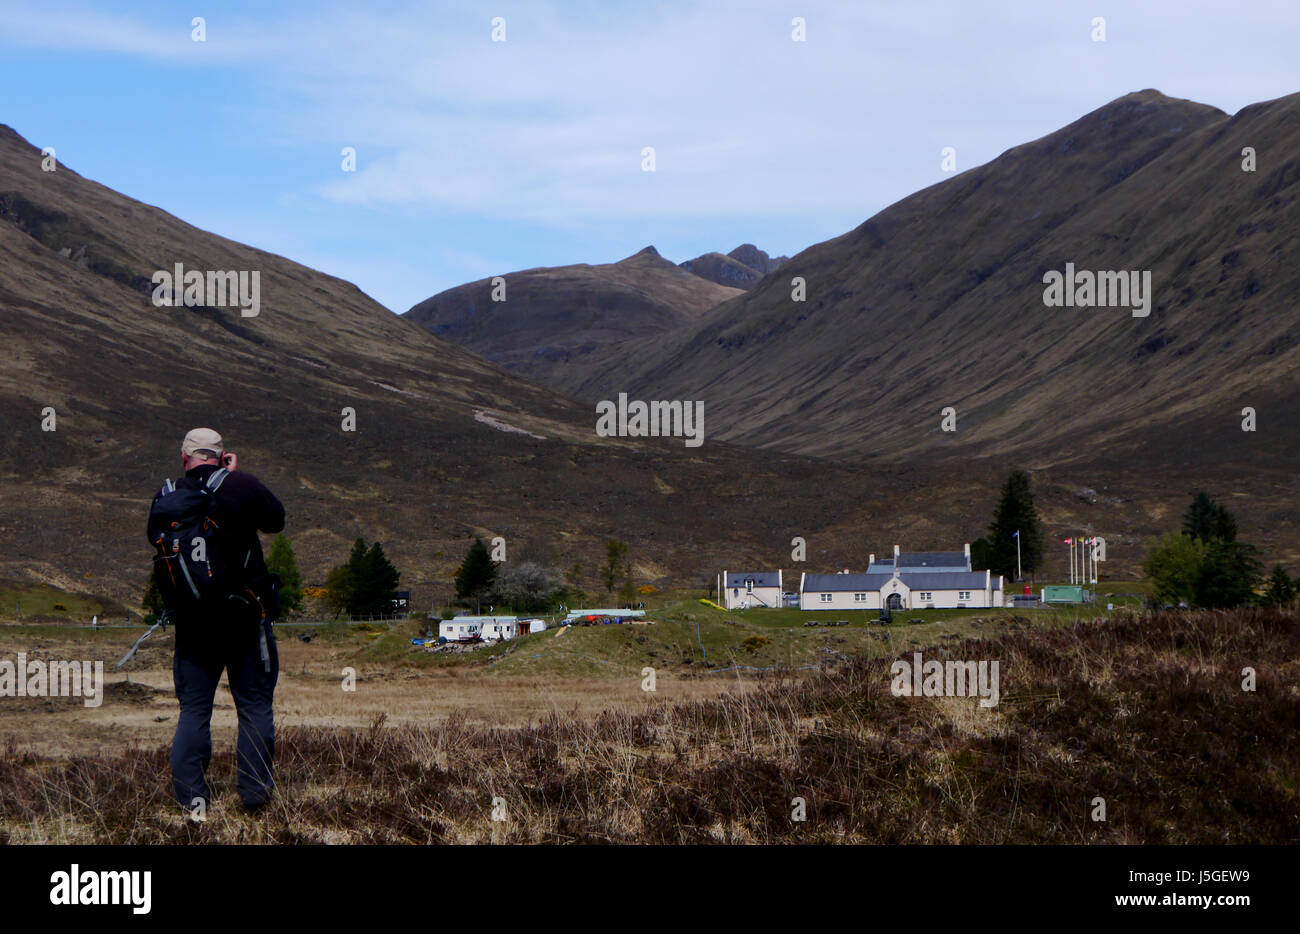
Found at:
[945, 580]
[829, 583]
[760, 578]
[933, 559]
[915, 580]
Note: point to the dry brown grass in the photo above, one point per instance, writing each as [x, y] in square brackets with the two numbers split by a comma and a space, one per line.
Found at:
[1147, 712]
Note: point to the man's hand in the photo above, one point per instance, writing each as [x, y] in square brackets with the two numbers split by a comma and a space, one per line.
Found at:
[230, 461]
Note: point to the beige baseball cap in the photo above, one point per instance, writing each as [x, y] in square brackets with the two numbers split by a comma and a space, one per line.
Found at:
[203, 439]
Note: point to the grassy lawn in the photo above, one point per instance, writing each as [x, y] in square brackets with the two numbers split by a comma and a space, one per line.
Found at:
[687, 638]
[692, 639]
[23, 601]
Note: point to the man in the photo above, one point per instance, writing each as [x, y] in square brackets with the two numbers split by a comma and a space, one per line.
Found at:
[234, 635]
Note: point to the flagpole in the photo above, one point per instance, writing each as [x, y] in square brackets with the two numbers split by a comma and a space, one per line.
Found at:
[1020, 575]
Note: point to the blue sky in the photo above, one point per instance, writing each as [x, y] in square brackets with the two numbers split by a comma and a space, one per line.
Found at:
[477, 157]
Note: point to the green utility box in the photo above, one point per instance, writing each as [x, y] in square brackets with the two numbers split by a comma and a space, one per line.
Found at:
[1063, 593]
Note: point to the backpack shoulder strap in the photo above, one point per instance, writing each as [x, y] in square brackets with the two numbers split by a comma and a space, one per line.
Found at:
[215, 479]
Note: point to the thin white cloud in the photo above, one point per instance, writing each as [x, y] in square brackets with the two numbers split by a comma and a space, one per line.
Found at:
[83, 29]
[549, 126]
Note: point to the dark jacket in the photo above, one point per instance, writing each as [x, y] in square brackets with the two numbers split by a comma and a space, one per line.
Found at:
[244, 506]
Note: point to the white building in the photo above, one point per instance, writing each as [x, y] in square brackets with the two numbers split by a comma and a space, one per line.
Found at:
[741, 590]
[918, 580]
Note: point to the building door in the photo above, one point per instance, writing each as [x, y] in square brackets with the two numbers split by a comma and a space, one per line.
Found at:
[895, 601]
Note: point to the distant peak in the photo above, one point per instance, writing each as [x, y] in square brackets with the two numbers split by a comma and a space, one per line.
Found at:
[649, 254]
[1151, 97]
[755, 258]
[1149, 93]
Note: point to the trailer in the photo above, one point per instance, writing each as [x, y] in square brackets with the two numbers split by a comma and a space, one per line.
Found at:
[460, 629]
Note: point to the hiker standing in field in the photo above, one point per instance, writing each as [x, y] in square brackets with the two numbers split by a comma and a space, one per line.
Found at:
[222, 599]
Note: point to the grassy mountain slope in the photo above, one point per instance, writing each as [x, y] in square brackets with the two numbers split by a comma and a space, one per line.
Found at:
[552, 316]
[938, 301]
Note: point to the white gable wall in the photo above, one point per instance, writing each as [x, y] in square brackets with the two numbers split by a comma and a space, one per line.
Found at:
[948, 599]
[840, 600]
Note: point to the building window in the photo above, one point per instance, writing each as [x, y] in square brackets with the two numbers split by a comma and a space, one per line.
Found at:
[963, 595]
[826, 598]
[927, 596]
[749, 586]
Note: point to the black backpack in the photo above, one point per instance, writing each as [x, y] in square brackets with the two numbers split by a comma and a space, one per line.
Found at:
[197, 568]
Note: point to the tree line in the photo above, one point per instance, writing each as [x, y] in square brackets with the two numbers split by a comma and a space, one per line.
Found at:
[531, 586]
[1203, 564]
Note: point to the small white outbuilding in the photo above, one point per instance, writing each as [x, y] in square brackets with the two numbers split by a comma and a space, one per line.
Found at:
[741, 590]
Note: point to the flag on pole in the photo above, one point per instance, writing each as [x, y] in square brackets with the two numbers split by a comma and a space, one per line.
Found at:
[1015, 534]
[1068, 541]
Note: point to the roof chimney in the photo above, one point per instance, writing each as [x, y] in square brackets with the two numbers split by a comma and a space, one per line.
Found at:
[968, 552]
[896, 550]
[871, 560]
